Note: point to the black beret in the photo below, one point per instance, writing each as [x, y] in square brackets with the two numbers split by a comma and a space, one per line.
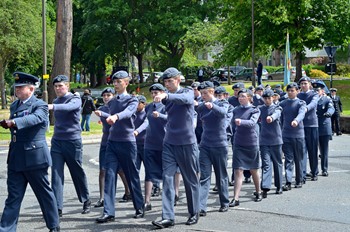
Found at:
[195, 85]
[278, 86]
[120, 75]
[239, 85]
[141, 98]
[220, 90]
[292, 85]
[157, 86]
[205, 85]
[259, 88]
[268, 93]
[22, 79]
[248, 91]
[170, 72]
[304, 79]
[318, 84]
[60, 78]
[108, 90]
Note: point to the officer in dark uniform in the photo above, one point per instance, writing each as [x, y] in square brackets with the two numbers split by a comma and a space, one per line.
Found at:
[325, 110]
[338, 109]
[66, 144]
[29, 156]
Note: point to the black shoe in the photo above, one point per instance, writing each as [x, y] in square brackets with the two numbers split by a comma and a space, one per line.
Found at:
[155, 191]
[339, 133]
[176, 200]
[223, 209]
[163, 223]
[303, 181]
[86, 207]
[60, 212]
[264, 194]
[279, 191]
[247, 180]
[234, 203]
[55, 229]
[324, 173]
[287, 187]
[314, 178]
[105, 218]
[99, 204]
[193, 219]
[125, 198]
[298, 185]
[147, 206]
[140, 213]
[202, 213]
[231, 183]
[309, 175]
[258, 197]
[215, 189]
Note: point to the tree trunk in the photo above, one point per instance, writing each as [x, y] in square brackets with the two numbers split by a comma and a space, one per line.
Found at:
[63, 43]
[298, 66]
[2, 84]
[139, 61]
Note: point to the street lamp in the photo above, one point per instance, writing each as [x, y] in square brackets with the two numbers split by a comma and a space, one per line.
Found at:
[331, 67]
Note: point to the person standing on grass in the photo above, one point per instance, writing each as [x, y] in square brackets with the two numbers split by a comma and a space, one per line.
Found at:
[88, 107]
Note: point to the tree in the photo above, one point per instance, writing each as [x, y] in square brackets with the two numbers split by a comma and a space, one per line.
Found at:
[63, 42]
[309, 24]
[20, 35]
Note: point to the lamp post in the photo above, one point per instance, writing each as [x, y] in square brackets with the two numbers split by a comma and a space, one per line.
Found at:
[331, 67]
[253, 48]
[45, 94]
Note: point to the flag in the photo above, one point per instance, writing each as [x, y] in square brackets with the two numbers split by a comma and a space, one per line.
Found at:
[287, 63]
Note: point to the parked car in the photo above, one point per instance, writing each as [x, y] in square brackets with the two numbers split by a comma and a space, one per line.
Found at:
[279, 74]
[220, 75]
[236, 69]
[246, 74]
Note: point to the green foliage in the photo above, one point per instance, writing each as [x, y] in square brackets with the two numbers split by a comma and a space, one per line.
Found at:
[343, 70]
[315, 73]
[310, 67]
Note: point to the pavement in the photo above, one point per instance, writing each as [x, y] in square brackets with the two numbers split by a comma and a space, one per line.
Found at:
[322, 205]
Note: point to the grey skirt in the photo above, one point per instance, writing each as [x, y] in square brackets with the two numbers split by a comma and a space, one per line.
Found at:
[245, 157]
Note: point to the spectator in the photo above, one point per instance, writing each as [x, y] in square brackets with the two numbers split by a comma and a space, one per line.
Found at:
[338, 109]
[200, 74]
[87, 107]
[259, 72]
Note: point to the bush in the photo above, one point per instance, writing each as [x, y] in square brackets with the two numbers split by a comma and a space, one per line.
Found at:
[309, 67]
[315, 73]
[343, 70]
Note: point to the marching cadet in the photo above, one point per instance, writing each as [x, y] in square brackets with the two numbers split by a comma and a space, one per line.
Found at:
[233, 100]
[155, 132]
[140, 123]
[293, 113]
[107, 95]
[338, 110]
[29, 157]
[270, 144]
[197, 100]
[325, 110]
[246, 144]
[121, 149]
[257, 98]
[213, 147]
[179, 149]
[310, 127]
[66, 144]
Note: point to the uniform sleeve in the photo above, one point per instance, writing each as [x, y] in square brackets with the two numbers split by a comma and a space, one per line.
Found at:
[183, 98]
[276, 113]
[143, 126]
[253, 120]
[313, 102]
[71, 105]
[220, 109]
[39, 114]
[302, 111]
[130, 110]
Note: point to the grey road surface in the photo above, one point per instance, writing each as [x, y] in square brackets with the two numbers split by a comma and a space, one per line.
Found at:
[323, 205]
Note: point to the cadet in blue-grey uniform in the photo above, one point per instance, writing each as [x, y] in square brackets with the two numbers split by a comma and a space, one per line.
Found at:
[140, 123]
[270, 144]
[325, 110]
[233, 100]
[310, 127]
[103, 113]
[257, 98]
[246, 144]
[213, 147]
[338, 110]
[293, 136]
[121, 149]
[197, 100]
[155, 132]
[29, 156]
[179, 149]
[66, 144]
